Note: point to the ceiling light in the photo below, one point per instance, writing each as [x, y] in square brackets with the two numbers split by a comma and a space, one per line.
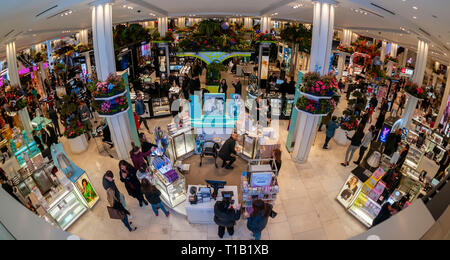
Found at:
[415, 8]
[414, 17]
[124, 6]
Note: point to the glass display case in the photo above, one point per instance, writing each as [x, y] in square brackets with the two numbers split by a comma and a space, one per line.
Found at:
[160, 107]
[287, 109]
[414, 156]
[173, 189]
[67, 209]
[181, 144]
[365, 209]
[276, 105]
[249, 146]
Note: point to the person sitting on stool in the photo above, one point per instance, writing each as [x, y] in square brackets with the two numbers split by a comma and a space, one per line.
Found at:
[227, 149]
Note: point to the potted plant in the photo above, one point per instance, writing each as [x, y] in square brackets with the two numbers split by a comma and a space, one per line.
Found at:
[110, 95]
[316, 107]
[347, 128]
[414, 90]
[74, 129]
[319, 86]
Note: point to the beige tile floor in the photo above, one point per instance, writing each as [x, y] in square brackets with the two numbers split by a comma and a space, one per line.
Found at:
[306, 206]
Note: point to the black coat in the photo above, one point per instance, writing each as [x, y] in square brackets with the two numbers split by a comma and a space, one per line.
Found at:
[357, 138]
[225, 218]
[238, 88]
[223, 88]
[392, 141]
[384, 214]
[38, 142]
[132, 183]
[153, 198]
[146, 146]
[111, 184]
[53, 135]
[258, 223]
[227, 149]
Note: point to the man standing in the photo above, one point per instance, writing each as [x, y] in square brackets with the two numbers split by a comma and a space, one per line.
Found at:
[54, 117]
[443, 165]
[237, 86]
[367, 140]
[140, 110]
[331, 129]
[392, 142]
[227, 150]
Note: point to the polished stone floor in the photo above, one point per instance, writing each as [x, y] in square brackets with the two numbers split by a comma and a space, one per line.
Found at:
[306, 206]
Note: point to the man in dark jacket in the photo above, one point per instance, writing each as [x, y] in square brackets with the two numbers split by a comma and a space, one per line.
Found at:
[108, 182]
[385, 213]
[443, 165]
[237, 86]
[225, 216]
[227, 149]
[392, 142]
[53, 135]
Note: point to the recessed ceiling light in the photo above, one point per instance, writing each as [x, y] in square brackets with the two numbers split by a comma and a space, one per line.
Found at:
[415, 8]
[414, 17]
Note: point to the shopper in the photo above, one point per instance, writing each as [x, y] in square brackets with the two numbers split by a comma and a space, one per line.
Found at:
[384, 106]
[139, 157]
[141, 110]
[331, 130]
[356, 141]
[393, 140]
[38, 141]
[387, 210]
[225, 153]
[443, 165]
[373, 101]
[225, 216]
[258, 218]
[145, 145]
[392, 180]
[53, 135]
[132, 184]
[367, 140]
[185, 87]
[402, 158]
[276, 155]
[8, 188]
[401, 104]
[152, 194]
[55, 120]
[84, 113]
[223, 87]
[45, 137]
[115, 203]
[379, 124]
[237, 86]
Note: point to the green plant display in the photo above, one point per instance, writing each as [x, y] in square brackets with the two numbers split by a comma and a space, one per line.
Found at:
[213, 73]
[73, 127]
[127, 35]
[297, 34]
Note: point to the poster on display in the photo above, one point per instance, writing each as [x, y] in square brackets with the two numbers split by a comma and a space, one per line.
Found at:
[348, 192]
[214, 104]
[265, 67]
[86, 189]
[261, 179]
[64, 164]
[384, 134]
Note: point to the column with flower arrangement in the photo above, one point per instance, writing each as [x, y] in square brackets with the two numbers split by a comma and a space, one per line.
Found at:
[315, 101]
[415, 94]
[111, 103]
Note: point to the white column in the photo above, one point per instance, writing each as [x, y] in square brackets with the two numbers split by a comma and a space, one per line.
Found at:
[394, 49]
[421, 62]
[88, 63]
[162, 26]
[38, 47]
[323, 24]
[103, 38]
[121, 134]
[26, 122]
[444, 101]
[383, 51]
[11, 58]
[390, 67]
[306, 129]
[181, 22]
[404, 58]
[409, 111]
[345, 41]
[266, 24]
[248, 22]
[83, 37]
[105, 61]
[435, 78]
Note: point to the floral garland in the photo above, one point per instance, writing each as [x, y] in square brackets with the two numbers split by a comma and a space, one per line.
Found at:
[342, 48]
[320, 107]
[414, 90]
[321, 86]
[113, 85]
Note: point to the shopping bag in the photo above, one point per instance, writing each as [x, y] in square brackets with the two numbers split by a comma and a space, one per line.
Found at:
[115, 214]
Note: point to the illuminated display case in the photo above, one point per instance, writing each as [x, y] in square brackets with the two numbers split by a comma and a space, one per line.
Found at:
[181, 144]
[365, 209]
[249, 146]
[66, 210]
[173, 193]
[287, 108]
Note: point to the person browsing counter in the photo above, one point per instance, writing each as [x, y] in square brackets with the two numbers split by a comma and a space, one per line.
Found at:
[227, 151]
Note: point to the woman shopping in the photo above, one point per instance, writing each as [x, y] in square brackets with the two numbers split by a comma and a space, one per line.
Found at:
[356, 141]
[152, 194]
[132, 184]
[258, 218]
[117, 207]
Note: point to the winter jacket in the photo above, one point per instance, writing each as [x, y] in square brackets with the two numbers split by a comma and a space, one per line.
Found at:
[132, 183]
[258, 223]
[225, 218]
[331, 129]
[111, 185]
[139, 158]
[139, 107]
[153, 198]
[227, 149]
[357, 139]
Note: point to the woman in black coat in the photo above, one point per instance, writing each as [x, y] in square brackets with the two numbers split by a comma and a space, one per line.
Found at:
[132, 184]
[225, 216]
[259, 218]
[38, 141]
[223, 88]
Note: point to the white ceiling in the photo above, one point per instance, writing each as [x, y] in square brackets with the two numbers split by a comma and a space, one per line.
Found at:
[429, 21]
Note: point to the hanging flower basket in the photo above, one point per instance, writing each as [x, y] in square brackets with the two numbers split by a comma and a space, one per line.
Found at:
[111, 106]
[319, 86]
[315, 106]
[414, 90]
[113, 86]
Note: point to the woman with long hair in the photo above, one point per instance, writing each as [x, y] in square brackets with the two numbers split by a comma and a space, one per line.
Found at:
[138, 157]
[356, 141]
[132, 184]
[152, 194]
[258, 219]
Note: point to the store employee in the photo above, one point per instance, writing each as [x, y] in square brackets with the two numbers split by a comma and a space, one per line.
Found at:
[225, 153]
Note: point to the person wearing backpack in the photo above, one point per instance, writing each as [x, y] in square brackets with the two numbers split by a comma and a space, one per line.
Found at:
[152, 194]
[258, 218]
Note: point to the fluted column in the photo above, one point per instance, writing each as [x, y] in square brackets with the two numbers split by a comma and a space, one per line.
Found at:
[394, 49]
[383, 51]
[421, 62]
[248, 22]
[162, 26]
[266, 24]
[181, 22]
[322, 38]
[11, 58]
[404, 58]
[103, 38]
[345, 41]
[83, 37]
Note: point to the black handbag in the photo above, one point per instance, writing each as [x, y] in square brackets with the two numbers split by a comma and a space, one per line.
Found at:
[273, 214]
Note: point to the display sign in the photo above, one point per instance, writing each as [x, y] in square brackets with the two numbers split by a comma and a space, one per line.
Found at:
[235, 106]
[265, 67]
[86, 189]
[261, 179]
[384, 133]
[348, 192]
[214, 104]
[64, 164]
